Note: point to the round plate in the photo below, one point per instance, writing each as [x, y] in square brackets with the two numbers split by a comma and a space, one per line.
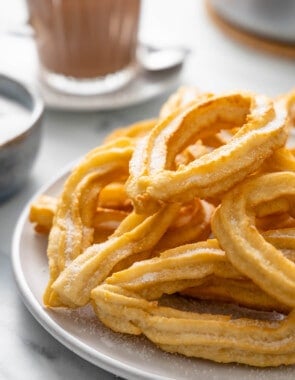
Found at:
[80, 331]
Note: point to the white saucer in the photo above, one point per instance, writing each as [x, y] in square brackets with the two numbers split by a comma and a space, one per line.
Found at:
[142, 88]
[80, 331]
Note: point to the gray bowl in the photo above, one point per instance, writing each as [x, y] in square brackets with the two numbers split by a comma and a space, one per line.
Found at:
[18, 152]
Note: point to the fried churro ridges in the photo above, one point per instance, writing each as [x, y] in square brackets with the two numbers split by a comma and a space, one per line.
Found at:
[75, 283]
[217, 337]
[234, 226]
[193, 266]
[73, 229]
[262, 130]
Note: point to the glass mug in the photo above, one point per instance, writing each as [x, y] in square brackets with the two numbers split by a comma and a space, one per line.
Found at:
[85, 47]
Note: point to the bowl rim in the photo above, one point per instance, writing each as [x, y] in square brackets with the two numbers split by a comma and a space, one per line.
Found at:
[36, 113]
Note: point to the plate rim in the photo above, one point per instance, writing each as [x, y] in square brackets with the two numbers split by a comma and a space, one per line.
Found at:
[72, 343]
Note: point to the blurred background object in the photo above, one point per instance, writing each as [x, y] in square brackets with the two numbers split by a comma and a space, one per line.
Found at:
[156, 69]
[85, 47]
[265, 24]
[21, 112]
[266, 18]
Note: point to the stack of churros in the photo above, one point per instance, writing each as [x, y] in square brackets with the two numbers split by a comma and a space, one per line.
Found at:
[196, 204]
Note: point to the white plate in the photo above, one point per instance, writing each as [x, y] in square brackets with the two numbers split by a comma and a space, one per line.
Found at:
[80, 331]
[142, 88]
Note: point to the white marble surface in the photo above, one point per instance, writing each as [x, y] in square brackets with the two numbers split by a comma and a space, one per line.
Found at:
[26, 350]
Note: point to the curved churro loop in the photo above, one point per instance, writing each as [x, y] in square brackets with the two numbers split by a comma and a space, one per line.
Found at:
[242, 290]
[217, 337]
[196, 266]
[74, 284]
[234, 226]
[262, 130]
[73, 224]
